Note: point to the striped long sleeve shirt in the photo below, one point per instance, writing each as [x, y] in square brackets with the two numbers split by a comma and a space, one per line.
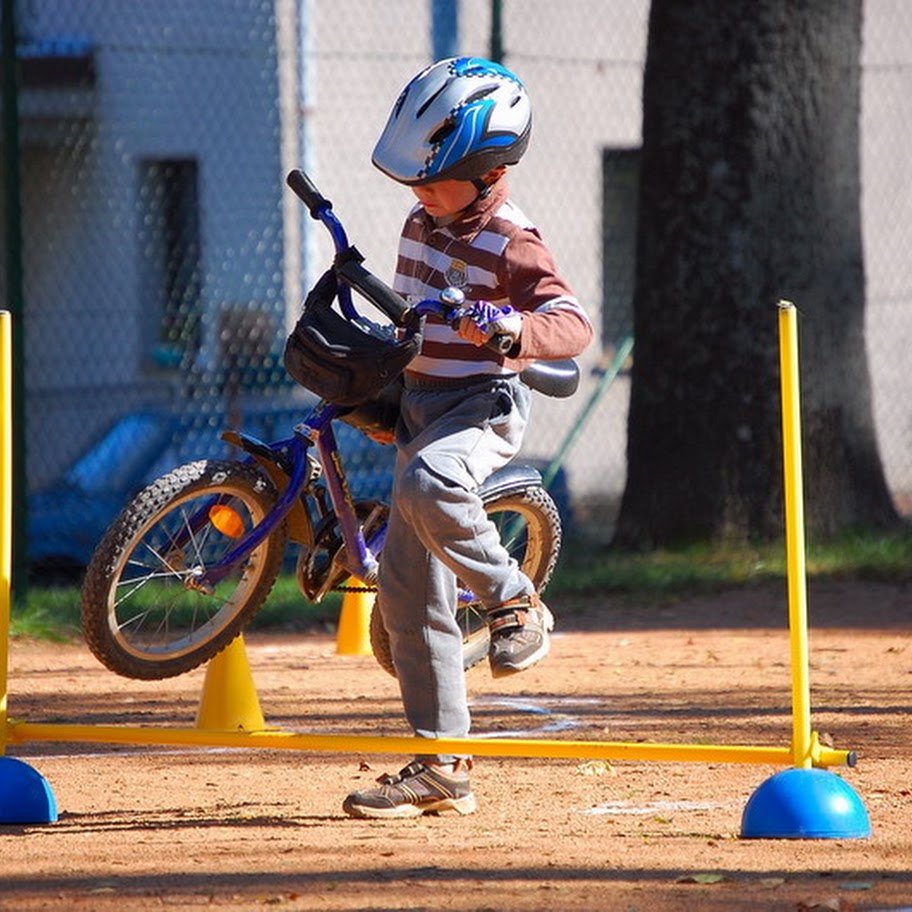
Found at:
[492, 252]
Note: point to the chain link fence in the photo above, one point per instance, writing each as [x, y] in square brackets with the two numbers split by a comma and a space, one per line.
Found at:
[164, 259]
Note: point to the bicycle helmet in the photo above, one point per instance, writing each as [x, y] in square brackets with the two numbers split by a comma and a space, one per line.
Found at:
[456, 120]
[335, 358]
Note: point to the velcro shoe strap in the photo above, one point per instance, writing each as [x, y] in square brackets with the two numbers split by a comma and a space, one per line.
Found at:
[509, 618]
[512, 614]
[413, 769]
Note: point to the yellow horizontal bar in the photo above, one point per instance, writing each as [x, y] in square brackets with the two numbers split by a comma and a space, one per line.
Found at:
[20, 732]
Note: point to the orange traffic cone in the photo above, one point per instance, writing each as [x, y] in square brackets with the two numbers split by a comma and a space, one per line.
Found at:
[353, 635]
[229, 701]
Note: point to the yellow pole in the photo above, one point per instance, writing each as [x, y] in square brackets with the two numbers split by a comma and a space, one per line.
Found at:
[6, 511]
[802, 737]
[806, 749]
[21, 732]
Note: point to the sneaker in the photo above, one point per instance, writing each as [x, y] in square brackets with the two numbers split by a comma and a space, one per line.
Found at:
[520, 631]
[418, 789]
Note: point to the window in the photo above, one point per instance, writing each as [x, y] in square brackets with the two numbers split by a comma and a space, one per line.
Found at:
[170, 269]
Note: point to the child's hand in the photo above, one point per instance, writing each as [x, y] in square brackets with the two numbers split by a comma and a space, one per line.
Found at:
[481, 320]
[471, 331]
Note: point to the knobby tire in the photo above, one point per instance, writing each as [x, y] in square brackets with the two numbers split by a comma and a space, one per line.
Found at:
[532, 521]
[146, 611]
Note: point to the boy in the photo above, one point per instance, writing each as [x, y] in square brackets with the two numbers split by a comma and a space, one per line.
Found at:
[450, 137]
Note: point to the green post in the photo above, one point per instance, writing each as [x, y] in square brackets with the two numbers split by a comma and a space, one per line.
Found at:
[14, 289]
[497, 49]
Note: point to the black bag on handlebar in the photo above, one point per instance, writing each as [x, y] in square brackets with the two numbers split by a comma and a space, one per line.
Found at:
[338, 360]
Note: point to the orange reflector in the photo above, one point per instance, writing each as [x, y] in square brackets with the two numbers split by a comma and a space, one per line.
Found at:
[226, 520]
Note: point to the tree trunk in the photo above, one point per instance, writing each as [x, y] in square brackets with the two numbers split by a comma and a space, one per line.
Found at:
[750, 193]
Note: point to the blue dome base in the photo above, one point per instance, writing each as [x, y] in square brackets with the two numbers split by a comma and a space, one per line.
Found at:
[25, 796]
[805, 804]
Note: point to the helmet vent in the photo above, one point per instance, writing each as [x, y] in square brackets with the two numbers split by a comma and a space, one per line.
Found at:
[480, 93]
[442, 132]
[400, 101]
[429, 102]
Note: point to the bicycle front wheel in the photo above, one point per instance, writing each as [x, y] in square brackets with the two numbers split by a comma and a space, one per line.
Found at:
[147, 610]
[530, 529]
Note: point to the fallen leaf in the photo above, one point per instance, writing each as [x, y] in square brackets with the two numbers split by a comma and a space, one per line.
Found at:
[828, 905]
[701, 878]
[770, 882]
[597, 768]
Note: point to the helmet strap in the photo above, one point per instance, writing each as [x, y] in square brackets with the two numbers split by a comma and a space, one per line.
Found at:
[482, 186]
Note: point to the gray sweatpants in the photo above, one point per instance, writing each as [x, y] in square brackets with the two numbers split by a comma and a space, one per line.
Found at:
[448, 441]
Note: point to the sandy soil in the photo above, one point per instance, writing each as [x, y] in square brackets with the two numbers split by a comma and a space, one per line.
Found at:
[146, 827]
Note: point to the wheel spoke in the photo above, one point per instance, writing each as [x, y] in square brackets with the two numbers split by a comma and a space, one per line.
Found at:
[147, 611]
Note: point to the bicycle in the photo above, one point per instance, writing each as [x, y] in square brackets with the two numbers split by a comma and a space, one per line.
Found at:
[192, 558]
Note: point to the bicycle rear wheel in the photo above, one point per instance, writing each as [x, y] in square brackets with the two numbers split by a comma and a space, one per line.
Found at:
[530, 529]
[146, 611]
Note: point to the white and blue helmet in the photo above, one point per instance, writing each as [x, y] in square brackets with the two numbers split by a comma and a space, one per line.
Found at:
[456, 120]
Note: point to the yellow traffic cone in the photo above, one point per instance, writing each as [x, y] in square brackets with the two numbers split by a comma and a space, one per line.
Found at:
[229, 701]
[353, 635]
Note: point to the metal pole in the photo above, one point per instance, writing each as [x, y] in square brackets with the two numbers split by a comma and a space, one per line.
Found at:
[611, 372]
[497, 47]
[306, 99]
[444, 29]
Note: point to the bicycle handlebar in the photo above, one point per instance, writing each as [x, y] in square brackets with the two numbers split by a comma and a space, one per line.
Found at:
[452, 304]
[348, 267]
[348, 261]
[305, 188]
[375, 290]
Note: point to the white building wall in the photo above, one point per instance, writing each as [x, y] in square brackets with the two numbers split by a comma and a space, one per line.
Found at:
[174, 80]
[573, 66]
[202, 79]
[886, 218]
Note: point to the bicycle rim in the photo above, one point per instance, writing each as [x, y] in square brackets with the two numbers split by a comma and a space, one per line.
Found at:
[160, 615]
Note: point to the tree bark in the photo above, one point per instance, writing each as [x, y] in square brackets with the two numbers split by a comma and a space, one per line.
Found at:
[750, 193]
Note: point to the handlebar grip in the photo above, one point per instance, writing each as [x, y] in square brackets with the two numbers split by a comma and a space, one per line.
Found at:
[501, 344]
[305, 188]
[376, 291]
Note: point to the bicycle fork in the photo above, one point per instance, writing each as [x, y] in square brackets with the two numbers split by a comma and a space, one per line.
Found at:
[293, 470]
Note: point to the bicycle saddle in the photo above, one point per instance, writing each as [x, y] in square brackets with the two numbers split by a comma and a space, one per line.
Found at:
[557, 379]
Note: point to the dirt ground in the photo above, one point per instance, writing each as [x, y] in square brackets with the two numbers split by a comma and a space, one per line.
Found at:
[162, 827]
